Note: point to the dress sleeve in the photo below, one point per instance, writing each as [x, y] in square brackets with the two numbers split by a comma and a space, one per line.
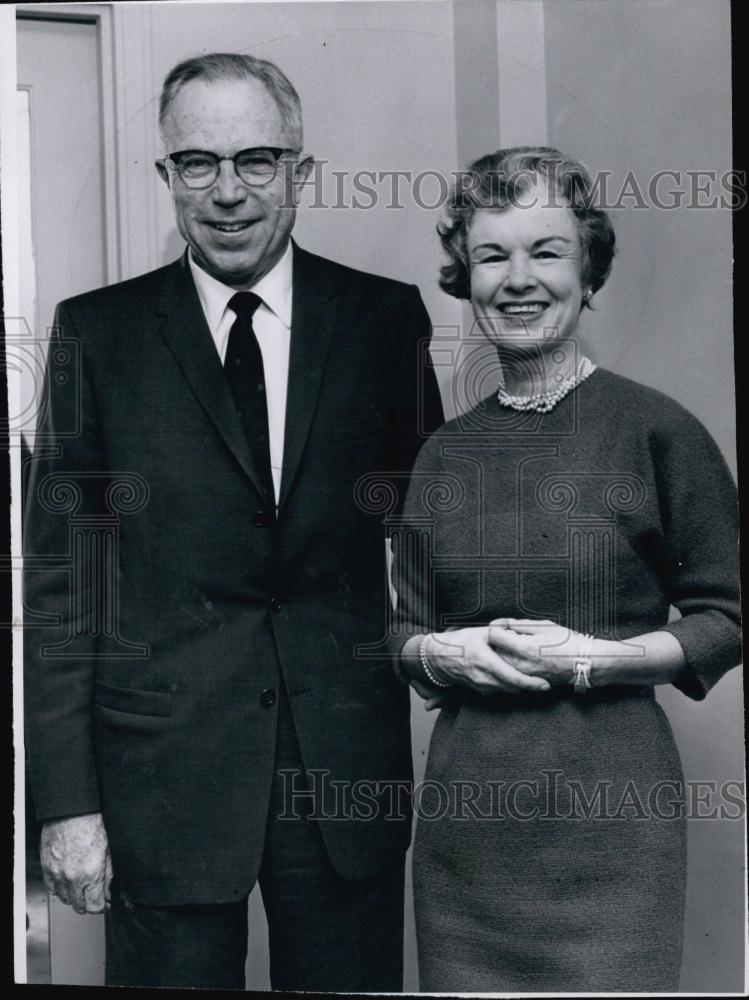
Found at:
[412, 571]
[699, 513]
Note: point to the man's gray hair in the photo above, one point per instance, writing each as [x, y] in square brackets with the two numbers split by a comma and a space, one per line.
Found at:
[232, 66]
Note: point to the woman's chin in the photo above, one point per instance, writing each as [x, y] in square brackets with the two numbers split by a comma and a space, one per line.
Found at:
[516, 338]
[499, 328]
[523, 335]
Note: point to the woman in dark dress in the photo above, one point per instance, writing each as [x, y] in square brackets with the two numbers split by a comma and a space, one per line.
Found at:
[547, 534]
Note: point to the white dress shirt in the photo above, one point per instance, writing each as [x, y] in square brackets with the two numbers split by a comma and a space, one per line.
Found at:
[272, 325]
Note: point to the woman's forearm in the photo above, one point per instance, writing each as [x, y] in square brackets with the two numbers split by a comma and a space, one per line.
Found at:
[653, 658]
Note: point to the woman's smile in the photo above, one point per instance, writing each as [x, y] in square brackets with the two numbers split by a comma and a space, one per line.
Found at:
[522, 310]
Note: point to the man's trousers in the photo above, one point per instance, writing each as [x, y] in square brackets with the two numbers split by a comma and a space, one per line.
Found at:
[326, 934]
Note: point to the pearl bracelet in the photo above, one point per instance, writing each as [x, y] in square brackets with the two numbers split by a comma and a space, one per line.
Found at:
[581, 681]
[427, 669]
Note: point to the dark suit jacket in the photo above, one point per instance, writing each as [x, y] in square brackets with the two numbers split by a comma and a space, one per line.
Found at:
[164, 601]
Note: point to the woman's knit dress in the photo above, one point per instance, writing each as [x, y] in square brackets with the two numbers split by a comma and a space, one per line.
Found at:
[550, 851]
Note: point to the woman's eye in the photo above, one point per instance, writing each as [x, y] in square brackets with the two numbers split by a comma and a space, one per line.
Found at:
[494, 258]
[546, 255]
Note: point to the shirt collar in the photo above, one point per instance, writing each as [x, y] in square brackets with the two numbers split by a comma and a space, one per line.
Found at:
[274, 288]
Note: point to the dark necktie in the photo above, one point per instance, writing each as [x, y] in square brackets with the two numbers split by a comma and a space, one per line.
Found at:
[243, 366]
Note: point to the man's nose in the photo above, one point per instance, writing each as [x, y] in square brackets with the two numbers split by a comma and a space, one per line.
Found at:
[519, 275]
[228, 188]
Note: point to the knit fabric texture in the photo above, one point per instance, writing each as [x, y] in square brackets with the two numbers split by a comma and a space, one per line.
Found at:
[550, 851]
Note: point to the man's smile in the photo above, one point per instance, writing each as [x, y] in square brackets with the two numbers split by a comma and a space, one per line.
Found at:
[231, 227]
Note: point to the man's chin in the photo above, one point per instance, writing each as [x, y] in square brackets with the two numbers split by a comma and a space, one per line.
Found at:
[228, 269]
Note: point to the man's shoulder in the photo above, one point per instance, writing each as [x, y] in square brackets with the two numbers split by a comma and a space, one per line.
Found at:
[351, 281]
[141, 290]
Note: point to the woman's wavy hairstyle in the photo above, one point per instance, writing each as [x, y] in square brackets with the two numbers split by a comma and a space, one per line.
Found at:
[497, 181]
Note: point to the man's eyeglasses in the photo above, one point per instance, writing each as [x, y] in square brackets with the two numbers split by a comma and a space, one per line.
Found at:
[199, 169]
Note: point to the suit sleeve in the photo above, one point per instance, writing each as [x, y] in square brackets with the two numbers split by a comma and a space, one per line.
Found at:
[699, 512]
[59, 623]
[418, 408]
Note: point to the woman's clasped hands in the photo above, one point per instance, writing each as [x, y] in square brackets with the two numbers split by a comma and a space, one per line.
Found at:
[508, 656]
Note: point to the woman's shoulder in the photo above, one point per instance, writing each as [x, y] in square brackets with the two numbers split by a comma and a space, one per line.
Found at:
[650, 408]
[479, 420]
[440, 451]
[672, 434]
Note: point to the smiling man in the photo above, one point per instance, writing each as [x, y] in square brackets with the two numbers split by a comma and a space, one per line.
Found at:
[191, 750]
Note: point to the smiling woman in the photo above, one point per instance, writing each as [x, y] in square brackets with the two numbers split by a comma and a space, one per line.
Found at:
[535, 612]
[529, 248]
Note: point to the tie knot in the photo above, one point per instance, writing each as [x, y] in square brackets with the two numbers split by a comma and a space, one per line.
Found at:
[244, 304]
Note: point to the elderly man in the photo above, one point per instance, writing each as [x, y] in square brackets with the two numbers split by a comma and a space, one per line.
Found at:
[190, 719]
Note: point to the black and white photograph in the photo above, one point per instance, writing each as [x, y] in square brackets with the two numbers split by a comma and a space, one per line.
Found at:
[376, 620]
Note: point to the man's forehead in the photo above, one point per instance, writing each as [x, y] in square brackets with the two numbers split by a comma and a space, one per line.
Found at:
[216, 105]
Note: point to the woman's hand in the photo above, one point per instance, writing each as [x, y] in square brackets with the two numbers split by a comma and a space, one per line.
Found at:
[538, 648]
[512, 655]
[465, 657]
[544, 649]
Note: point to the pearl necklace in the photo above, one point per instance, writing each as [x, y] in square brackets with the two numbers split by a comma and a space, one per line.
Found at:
[542, 402]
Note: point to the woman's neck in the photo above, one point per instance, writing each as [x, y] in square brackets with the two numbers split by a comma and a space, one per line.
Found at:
[539, 371]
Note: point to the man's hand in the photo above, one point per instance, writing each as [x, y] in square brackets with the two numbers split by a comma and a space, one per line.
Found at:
[75, 861]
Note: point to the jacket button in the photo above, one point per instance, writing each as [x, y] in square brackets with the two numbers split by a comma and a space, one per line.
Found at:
[275, 604]
[260, 519]
[267, 697]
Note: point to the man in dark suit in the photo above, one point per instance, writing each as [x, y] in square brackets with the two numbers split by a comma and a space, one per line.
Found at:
[198, 718]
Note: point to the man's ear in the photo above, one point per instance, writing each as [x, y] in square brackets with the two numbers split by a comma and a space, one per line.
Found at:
[162, 171]
[298, 179]
[303, 169]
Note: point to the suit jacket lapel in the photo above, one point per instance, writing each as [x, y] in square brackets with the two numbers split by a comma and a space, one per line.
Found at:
[187, 335]
[314, 311]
